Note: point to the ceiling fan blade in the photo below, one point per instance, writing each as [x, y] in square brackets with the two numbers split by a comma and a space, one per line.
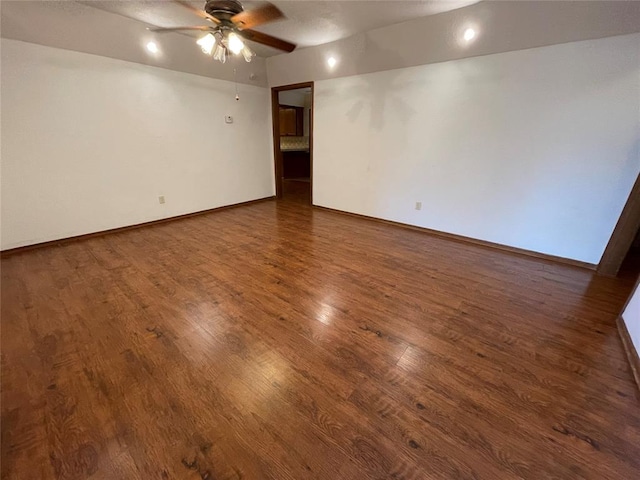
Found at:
[257, 16]
[197, 11]
[178, 29]
[268, 40]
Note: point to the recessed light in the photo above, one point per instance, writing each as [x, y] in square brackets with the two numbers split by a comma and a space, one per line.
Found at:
[152, 47]
[331, 62]
[469, 34]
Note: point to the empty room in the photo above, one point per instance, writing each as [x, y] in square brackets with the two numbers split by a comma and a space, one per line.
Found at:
[320, 240]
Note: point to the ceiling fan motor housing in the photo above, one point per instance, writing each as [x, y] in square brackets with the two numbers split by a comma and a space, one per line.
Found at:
[229, 21]
[223, 9]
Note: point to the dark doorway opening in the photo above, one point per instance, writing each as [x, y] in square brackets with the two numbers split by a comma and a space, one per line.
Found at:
[630, 266]
[292, 114]
[622, 246]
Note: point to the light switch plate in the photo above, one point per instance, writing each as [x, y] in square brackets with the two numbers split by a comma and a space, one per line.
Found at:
[228, 119]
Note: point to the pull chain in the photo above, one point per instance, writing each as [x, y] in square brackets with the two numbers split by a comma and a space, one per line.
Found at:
[236, 82]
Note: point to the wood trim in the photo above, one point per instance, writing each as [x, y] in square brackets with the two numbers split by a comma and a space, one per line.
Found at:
[293, 86]
[637, 285]
[312, 112]
[275, 120]
[629, 349]
[463, 239]
[623, 234]
[61, 241]
[277, 154]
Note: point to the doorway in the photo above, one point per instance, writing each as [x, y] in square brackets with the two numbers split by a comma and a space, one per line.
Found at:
[292, 116]
[620, 247]
[630, 266]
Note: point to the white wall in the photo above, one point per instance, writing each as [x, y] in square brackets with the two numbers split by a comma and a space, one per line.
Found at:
[631, 317]
[89, 143]
[536, 149]
[295, 98]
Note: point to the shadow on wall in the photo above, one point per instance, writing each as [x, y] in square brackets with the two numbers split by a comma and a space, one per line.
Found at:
[375, 100]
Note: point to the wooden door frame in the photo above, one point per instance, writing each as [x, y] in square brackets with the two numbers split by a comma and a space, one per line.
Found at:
[623, 234]
[275, 120]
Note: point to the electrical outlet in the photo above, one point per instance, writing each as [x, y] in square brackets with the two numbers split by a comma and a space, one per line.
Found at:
[418, 205]
[161, 199]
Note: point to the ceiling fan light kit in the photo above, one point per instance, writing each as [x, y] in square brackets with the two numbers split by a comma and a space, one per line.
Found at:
[234, 43]
[248, 54]
[220, 53]
[207, 43]
[232, 28]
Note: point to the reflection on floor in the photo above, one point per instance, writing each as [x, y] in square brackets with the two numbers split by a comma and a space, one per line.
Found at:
[297, 190]
[280, 341]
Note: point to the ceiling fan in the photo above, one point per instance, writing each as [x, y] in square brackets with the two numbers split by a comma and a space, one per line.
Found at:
[231, 25]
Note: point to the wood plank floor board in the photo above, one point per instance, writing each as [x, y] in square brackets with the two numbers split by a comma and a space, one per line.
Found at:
[474, 419]
[499, 455]
[534, 407]
[279, 341]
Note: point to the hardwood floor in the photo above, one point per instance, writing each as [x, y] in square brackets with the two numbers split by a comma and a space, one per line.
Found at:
[274, 341]
[296, 191]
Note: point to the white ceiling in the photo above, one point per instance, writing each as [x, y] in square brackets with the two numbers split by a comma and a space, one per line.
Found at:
[308, 23]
